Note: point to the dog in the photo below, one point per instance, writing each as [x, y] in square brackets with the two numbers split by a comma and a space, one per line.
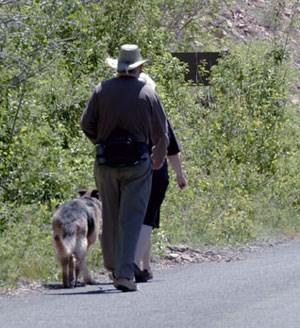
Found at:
[76, 226]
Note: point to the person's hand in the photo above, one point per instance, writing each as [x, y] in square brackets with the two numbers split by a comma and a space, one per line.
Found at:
[156, 165]
[181, 182]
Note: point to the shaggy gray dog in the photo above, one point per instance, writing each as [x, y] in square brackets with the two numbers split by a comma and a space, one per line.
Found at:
[76, 226]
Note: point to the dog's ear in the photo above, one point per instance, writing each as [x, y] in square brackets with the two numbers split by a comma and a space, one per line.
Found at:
[81, 191]
[95, 193]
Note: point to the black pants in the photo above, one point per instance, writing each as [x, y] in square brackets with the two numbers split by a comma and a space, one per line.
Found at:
[160, 182]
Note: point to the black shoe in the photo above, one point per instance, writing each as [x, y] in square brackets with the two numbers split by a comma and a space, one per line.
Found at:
[148, 274]
[139, 275]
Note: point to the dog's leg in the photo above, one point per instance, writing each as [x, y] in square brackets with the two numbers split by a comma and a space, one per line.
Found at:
[65, 271]
[86, 276]
[72, 280]
[77, 272]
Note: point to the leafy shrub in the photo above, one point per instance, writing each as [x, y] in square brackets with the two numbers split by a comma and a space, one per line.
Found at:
[234, 141]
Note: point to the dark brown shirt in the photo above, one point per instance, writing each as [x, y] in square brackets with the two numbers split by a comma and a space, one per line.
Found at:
[128, 104]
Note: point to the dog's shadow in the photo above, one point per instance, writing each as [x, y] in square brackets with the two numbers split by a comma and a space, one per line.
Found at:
[81, 289]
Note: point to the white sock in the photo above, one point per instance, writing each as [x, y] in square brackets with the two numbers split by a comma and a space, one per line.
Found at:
[143, 244]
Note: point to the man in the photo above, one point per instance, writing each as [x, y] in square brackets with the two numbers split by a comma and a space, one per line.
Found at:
[121, 118]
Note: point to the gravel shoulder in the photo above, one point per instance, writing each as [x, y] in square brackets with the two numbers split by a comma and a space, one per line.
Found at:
[180, 255]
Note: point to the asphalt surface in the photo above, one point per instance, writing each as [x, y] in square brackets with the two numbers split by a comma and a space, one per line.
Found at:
[262, 290]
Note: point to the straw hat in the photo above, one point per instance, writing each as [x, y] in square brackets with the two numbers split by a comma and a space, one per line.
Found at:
[129, 58]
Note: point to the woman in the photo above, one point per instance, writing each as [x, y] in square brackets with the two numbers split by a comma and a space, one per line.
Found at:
[160, 182]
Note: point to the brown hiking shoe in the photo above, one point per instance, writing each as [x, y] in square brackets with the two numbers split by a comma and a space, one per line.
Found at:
[125, 285]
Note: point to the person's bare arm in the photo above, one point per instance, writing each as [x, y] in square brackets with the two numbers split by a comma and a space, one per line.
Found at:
[176, 165]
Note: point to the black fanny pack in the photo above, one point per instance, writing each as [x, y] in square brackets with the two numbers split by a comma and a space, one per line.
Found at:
[121, 151]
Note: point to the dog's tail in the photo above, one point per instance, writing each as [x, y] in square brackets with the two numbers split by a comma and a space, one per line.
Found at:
[62, 245]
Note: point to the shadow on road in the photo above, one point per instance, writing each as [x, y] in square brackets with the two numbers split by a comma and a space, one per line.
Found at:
[82, 289]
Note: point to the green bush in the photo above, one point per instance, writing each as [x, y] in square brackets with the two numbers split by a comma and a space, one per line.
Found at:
[235, 149]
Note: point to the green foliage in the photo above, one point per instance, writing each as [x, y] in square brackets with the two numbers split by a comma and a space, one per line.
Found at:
[249, 94]
[235, 142]
[194, 27]
[25, 247]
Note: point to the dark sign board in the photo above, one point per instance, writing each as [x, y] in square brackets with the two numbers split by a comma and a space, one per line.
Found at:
[196, 59]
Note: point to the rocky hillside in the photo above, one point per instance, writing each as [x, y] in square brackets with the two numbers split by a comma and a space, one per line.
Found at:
[276, 21]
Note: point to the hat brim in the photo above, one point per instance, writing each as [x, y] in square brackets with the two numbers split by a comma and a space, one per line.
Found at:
[113, 63]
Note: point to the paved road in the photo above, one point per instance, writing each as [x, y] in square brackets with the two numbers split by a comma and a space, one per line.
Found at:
[262, 291]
